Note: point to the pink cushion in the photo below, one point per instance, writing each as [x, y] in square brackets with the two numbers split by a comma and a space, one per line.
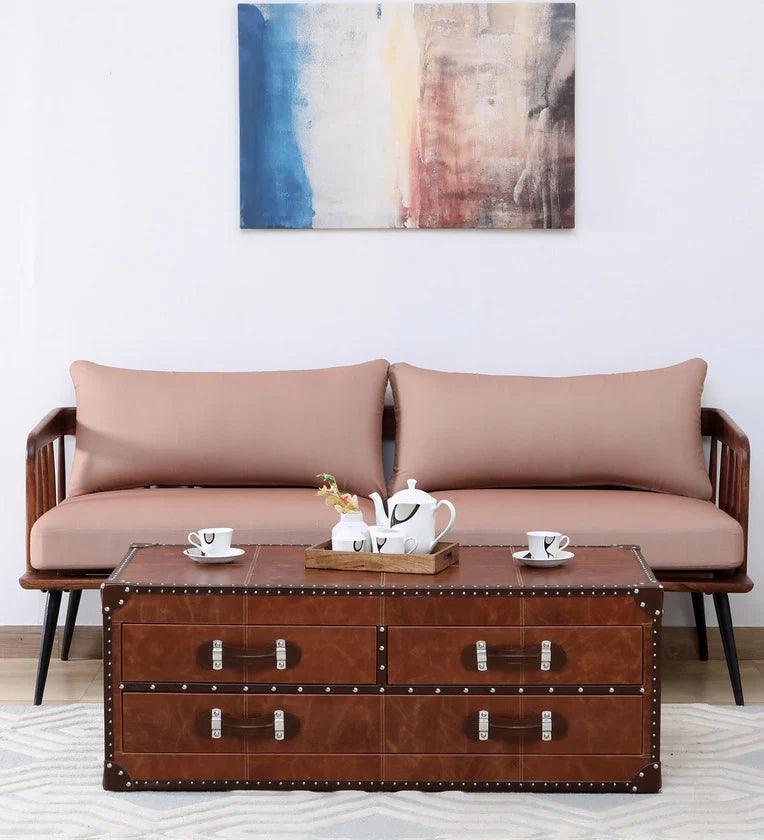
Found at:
[463, 430]
[137, 428]
[674, 532]
[95, 531]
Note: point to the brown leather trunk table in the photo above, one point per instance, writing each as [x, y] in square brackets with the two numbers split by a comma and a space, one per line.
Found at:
[488, 676]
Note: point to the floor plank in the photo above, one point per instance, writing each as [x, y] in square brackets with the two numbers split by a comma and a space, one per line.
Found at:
[67, 681]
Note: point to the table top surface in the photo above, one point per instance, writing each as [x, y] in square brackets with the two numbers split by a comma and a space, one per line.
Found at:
[281, 568]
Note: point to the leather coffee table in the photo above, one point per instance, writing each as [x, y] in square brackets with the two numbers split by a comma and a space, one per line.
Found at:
[488, 676]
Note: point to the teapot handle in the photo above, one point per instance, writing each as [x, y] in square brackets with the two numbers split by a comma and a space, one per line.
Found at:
[450, 521]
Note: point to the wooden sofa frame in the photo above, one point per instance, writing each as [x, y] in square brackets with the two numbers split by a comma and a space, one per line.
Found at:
[729, 470]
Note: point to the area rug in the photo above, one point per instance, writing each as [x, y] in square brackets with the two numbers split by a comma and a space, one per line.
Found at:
[50, 786]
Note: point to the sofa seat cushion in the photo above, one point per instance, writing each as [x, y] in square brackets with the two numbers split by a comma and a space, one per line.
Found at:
[675, 532]
[95, 531]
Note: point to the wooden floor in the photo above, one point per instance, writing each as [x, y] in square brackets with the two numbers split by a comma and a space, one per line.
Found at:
[81, 681]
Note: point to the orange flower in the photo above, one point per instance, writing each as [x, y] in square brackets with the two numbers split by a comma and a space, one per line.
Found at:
[330, 493]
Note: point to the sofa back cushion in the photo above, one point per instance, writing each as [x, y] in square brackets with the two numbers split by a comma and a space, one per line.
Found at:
[137, 428]
[640, 430]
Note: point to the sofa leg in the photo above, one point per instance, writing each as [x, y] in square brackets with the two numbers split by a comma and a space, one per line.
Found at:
[72, 606]
[723, 614]
[699, 609]
[46, 642]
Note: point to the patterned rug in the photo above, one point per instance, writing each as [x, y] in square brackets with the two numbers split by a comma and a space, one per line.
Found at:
[50, 786]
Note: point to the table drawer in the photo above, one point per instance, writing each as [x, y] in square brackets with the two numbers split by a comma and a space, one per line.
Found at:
[514, 725]
[184, 653]
[512, 655]
[185, 723]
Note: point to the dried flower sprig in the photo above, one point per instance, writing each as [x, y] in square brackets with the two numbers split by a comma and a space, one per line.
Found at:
[330, 493]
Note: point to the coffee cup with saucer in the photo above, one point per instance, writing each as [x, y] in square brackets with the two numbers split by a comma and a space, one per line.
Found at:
[546, 549]
[212, 545]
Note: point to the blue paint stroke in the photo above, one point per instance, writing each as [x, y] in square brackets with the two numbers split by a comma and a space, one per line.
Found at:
[275, 190]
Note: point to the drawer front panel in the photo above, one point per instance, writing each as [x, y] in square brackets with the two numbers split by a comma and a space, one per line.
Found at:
[181, 653]
[183, 723]
[449, 610]
[579, 725]
[576, 655]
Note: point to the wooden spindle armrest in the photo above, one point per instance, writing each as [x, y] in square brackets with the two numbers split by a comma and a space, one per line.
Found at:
[45, 469]
[718, 424]
[729, 468]
[55, 424]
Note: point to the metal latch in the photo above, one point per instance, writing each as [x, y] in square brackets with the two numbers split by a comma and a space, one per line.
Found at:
[546, 655]
[546, 726]
[217, 655]
[280, 654]
[483, 722]
[278, 725]
[482, 657]
[216, 722]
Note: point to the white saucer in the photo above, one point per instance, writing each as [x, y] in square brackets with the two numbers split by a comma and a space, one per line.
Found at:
[196, 555]
[560, 560]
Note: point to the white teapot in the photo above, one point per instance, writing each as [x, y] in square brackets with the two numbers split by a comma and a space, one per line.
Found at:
[412, 512]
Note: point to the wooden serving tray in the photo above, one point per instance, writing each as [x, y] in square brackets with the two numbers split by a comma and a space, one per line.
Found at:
[321, 556]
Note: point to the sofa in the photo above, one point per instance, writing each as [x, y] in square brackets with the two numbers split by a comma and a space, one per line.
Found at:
[607, 459]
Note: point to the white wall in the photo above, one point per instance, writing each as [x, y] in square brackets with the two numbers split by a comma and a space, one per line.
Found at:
[120, 227]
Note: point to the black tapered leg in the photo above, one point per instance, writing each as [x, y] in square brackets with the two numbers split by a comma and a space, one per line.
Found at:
[723, 614]
[72, 606]
[52, 606]
[699, 609]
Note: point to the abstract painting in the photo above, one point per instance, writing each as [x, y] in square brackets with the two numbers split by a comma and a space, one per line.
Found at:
[407, 115]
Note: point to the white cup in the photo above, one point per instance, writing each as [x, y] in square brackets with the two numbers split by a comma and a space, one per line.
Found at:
[338, 544]
[212, 542]
[546, 545]
[390, 541]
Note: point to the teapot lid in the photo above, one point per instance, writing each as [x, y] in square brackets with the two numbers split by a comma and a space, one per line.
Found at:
[412, 496]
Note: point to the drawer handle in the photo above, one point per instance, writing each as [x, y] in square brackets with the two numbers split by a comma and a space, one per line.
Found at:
[482, 726]
[480, 656]
[279, 655]
[279, 724]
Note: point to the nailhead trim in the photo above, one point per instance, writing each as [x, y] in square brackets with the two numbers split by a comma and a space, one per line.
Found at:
[372, 784]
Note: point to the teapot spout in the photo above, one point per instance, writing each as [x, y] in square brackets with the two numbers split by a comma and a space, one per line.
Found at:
[379, 510]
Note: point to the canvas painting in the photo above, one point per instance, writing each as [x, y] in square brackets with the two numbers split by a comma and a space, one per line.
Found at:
[399, 115]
